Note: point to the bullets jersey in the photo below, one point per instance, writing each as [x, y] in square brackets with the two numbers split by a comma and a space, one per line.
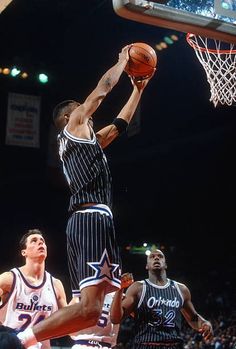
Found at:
[104, 331]
[158, 316]
[27, 304]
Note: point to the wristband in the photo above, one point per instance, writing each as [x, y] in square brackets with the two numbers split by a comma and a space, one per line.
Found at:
[120, 124]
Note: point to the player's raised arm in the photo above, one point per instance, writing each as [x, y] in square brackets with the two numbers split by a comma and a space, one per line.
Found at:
[85, 110]
[121, 122]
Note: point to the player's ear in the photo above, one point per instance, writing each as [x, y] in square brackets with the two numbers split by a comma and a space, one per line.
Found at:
[23, 252]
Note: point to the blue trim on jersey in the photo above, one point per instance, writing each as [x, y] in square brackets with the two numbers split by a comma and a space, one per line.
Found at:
[94, 208]
[32, 286]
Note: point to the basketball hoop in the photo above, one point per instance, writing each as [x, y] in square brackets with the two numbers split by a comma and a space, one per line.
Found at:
[219, 61]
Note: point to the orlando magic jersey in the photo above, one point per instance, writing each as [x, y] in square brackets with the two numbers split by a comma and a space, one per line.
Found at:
[104, 331]
[28, 304]
[86, 170]
[158, 316]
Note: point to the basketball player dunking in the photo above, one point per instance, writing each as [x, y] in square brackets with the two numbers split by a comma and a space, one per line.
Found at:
[93, 254]
[157, 304]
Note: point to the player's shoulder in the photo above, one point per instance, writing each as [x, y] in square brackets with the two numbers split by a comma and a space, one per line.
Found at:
[136, 285]
[56, 282]
[59, 287]
[180, 284]
[6, 281]
[183, 288]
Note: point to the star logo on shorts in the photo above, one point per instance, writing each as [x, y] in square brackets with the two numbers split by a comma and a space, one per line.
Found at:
[104, 268]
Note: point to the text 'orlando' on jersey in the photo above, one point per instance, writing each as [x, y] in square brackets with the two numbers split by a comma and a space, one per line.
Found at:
[158, 316]
[86, 169]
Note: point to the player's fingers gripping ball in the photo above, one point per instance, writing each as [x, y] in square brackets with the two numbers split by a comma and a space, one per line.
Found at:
[142, 60]
[126, 280]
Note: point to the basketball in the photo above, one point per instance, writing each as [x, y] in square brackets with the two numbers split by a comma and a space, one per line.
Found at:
[142, 60]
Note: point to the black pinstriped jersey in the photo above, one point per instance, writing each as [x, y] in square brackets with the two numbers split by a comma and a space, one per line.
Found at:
[158, 317]
[86, 170]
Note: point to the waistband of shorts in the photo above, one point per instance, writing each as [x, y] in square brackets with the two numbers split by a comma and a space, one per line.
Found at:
[162, 344]
[101, 208]
[93, 343]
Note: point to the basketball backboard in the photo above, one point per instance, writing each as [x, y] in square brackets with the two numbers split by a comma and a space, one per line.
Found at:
[209, 18]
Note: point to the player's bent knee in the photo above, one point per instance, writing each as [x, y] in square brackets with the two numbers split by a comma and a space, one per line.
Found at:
[91, 314]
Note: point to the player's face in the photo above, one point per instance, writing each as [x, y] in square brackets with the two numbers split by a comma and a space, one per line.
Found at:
[35, 247]
[156, 260]
[62, 121]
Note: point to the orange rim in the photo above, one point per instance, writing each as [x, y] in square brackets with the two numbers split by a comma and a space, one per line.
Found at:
[204, 49]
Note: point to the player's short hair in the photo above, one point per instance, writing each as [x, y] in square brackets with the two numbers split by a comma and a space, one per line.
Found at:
[62, 108]
[29, 232]
[8, 338]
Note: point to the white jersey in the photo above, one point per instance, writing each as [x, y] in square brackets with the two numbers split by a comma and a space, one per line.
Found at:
[28, 304]
[103, 333]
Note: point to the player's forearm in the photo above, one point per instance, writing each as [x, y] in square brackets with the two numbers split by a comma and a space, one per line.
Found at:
[196, 322]
[130, 107]
[116, 310]
[112, 76]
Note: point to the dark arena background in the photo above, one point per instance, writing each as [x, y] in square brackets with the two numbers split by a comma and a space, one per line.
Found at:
[173, 172]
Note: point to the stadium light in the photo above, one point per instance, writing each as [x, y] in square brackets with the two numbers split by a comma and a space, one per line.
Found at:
[6, 71]
[43, 78]
[167, 41]
[15, 72]
[24, 75]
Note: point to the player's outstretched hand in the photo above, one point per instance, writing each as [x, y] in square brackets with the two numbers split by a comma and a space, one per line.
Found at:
[141, 82]
[124, 54]
[207, 331]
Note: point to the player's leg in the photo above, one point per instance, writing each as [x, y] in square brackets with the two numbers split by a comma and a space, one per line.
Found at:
[74, 317]
[93, 254]
[69, 319]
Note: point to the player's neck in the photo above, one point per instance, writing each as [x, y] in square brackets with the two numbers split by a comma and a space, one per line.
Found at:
[33, 271]
[158, 278]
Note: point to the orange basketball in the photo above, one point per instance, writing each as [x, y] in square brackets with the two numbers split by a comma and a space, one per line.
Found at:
[142, 60]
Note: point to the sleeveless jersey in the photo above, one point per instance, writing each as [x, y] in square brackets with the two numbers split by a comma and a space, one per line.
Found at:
[104, 331]
[27, 304]
[86, 170]
[158, 317]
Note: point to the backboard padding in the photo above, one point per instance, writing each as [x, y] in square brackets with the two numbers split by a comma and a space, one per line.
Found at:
[171, 18]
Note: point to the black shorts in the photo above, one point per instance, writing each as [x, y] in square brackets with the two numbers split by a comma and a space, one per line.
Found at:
[93, 254]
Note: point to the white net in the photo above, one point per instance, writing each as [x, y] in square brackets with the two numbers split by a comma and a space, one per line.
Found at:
[219, 61]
